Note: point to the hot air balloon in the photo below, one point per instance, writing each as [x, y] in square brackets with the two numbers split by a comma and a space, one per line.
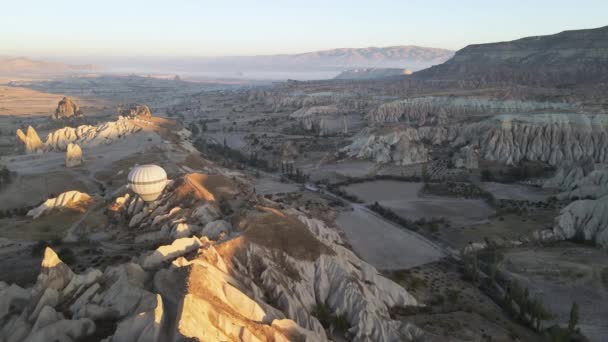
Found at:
[147, 181]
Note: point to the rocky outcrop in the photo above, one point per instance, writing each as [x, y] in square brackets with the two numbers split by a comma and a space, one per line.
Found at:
[584, 219]
[592, 186]
[134, 110]
[433, 110]
[73, 155]
[66, 108]
[31, 140]
[567, 176]
[569, 57]
[555, 139]
[84, 135]
[319, 119]
[69, 200]
[400, 146]
[88, 136]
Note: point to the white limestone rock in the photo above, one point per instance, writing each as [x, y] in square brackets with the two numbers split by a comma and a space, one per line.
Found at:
[585, 219]
[89, 136]
[72, 200]
[176, 249]
[73, 155]
[31, 140]
[592, 186]
[508, 139]
[400, 147]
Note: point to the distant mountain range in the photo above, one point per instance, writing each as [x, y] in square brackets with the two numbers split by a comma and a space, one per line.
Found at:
[322, 64]
[569, 57]
[406, 56]
[26, 66]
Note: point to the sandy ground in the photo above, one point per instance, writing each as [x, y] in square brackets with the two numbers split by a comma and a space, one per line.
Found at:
[24, 101]
[517, 191]
[382, 244]
[563, 274]
[404, 199]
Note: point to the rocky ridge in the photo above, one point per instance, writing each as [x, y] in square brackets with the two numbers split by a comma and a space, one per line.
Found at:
[569, 57]
[433, 110]
[84, 135]
[260, 280]
[552, 138]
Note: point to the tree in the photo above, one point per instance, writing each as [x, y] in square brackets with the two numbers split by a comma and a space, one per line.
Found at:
[573, 317]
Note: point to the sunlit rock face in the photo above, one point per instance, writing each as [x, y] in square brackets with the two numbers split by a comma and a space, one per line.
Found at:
[67, 108]
[84, 136]
[30, 140]
[73, 155]
[69, 200]
[262, 284]
[88, 136]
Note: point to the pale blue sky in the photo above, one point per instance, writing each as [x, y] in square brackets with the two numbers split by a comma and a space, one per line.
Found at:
[224, 27]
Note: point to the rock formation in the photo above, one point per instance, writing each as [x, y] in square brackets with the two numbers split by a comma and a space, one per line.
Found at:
[400, 146]
[73, 155]
[569, 57]
[86, 135]
[503, 138]
[584, 219]
[31, 140]
[262, 284]
[134, 110]
[66, 108]
[69, 200]
[319, 119]
[433, 110]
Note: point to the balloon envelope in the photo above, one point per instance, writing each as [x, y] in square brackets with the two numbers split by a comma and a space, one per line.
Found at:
[147, 181]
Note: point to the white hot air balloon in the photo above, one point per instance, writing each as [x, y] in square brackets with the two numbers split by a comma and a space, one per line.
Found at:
[148, 181]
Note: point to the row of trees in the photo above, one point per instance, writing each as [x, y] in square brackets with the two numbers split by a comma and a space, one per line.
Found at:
[516, 299]
[296, 175]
